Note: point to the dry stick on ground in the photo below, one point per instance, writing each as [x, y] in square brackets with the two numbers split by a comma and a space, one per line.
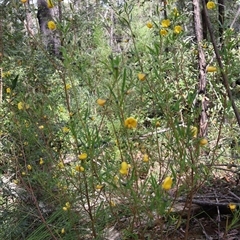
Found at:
[203, 230]
[209, 203]
[218, 216]
[224, 76]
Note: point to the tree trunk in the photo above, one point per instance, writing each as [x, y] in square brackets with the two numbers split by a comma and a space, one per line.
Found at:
[50, 38]
[202, 100]
[204, 23]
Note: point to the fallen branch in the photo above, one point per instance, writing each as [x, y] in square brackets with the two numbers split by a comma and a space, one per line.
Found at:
[208, 203]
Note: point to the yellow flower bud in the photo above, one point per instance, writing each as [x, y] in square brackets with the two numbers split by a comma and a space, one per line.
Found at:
[141, 76]
[101, 102]
[211, 69]
[149, 25]
[145, 158]
[194, 131]
[124, 168]
[51, 25]
[82, 156]
[79, 168]
[203, 142]
[232, 206]
[99, 187]
[167, 183]
[29, 167]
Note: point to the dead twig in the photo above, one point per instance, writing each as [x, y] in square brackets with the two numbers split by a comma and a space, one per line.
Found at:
[234, 195]
[218, 216]
[204, 231]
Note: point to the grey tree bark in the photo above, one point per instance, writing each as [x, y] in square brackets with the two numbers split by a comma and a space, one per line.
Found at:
[202, 100]
[50, 38]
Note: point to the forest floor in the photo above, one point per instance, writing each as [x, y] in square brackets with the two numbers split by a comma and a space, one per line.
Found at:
[210, 215]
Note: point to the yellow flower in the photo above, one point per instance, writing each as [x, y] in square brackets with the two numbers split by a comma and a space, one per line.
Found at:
[68, 86]
[157, 124]
[177, 29]
[141, 76]
[211, 5]
[124, 168]
[41, 162]
[203, 142]
[79, 168]
[6, 74]
[50, 4]
[24, 1]
[23, 173]
[8, 90]
[211, 69]
[62, 231]
[194, 131]
[163, 32]
[82, 156]
[99, 187]
[64, 209]
[15, 181]
[145, 158]
[130, 122]
[149, 25]
[29, 167]
[112, 203]
[41, 127]
[101, 102]
[67, 204]
[20, 106]
[232, 206]
[167, 183]
[165, 23]
[51, 25]
[65, 129]
[61, 165]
